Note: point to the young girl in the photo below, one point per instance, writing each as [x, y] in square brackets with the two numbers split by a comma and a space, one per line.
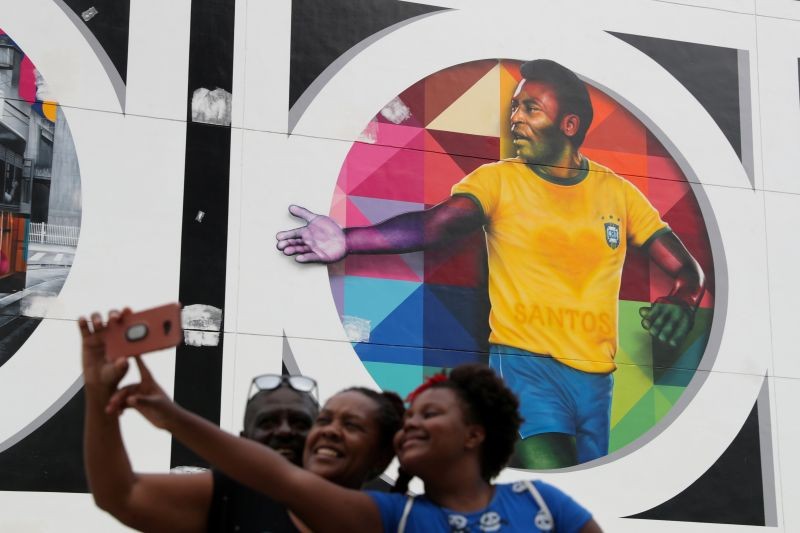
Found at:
[458, 433]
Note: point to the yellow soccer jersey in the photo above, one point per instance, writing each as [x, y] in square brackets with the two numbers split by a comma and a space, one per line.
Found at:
[556, 250]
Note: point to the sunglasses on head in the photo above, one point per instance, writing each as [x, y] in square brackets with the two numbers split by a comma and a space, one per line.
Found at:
[268, 382]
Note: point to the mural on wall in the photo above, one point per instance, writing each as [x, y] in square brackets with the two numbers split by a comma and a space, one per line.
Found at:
[40, 206]
[557, 223]
[439, 297]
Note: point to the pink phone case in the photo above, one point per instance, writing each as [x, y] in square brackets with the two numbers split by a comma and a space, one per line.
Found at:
[146, 331]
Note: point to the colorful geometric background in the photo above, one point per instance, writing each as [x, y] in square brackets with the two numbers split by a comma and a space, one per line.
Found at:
[413, 314]
[27, 85]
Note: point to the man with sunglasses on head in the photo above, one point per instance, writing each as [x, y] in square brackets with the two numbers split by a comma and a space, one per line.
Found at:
[279, 413]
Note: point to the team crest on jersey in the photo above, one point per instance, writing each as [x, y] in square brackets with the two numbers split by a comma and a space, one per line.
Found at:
[612, 235]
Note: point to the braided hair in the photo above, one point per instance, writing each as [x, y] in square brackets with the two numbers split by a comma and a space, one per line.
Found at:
[390, 416]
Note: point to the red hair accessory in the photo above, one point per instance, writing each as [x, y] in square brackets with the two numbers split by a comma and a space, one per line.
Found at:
[427, 384]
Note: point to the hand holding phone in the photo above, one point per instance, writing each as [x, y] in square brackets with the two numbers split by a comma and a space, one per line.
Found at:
[146, 331]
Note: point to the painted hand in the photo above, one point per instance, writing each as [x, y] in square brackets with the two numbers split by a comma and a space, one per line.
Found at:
[147, 397]
[321, 240]
[98, 372]
[667, 321]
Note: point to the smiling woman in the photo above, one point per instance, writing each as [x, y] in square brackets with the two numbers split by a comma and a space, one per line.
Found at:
[352, 436]
[349, 444]
[458, 433]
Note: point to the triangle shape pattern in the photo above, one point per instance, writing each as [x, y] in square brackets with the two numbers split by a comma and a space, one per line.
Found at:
[388, 267]
[441, 171]
[475, 112]
[413, 102]
[383, 353]
[454, 318]
[323, 30]
[446, 86]
[360, 301]
[631, 384]
[636, 421]
[362, 161]
[377, 209]
[401, 177]
[403, 325]
[714, 498]
[439, 359]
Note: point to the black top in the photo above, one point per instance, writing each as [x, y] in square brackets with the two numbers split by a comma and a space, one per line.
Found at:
[236, 508]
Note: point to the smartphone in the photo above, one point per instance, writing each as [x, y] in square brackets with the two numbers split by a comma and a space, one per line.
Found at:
[146, 331]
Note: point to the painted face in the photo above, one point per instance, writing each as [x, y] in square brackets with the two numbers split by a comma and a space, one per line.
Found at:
[535, 116]
[280, 419]
[343, 444]
[434, 432]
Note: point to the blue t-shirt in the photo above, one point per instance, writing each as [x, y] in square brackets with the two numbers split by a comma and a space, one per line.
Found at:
[512, 508]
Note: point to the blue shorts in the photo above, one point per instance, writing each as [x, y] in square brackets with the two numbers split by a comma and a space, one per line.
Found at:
[556, 398]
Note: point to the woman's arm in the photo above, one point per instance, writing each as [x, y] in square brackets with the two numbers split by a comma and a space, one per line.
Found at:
[591, 527]
[157, 502]
[322, 505]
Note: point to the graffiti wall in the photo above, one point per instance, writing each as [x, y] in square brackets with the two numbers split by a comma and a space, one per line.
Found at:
[595, 199]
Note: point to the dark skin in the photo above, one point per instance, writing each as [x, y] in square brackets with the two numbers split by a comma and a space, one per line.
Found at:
[280, 419]
[165, 502]
[542, 134]
[449, 462]
[312, 498]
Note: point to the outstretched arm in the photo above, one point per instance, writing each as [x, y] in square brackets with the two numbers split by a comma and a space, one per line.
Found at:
[671, 317]
[149, 502]
[322, 505]
[323, 241]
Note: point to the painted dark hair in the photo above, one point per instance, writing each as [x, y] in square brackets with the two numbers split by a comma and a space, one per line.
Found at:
[573, 97]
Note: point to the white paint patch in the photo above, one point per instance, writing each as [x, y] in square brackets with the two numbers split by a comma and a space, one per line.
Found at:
[201, 317]
[199, 216]
[200, 338]
[89, 14]
[370, 133]
[36, 306]
[187, 470]
[357, 329]
[201, 325]
[396, 111]
[36, 256]
[211, 107]
[42, 90]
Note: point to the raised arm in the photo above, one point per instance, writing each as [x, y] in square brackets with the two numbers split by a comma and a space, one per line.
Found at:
[323, 241]
[671, 317]
[322, 505]
[591, 527]
[148, 502]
